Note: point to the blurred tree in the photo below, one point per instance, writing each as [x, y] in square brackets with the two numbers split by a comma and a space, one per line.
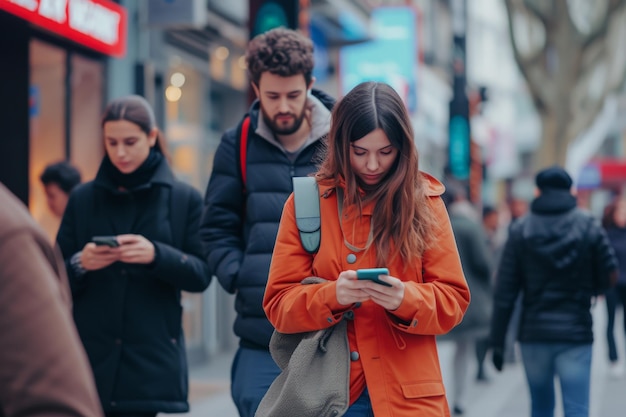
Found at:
[572, 54]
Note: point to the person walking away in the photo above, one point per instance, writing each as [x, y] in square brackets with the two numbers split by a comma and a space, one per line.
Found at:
[131, 243]
[614, 222]
[471, 242]
[377, 210]
[43, 367]
[559, 258]
[287, 123]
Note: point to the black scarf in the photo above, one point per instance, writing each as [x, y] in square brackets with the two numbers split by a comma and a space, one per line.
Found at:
[140, 176]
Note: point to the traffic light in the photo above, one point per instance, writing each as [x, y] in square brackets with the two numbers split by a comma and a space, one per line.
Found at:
[269, 14]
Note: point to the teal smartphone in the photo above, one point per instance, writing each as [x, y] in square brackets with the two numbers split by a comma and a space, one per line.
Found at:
[372, 274]
[110, 241]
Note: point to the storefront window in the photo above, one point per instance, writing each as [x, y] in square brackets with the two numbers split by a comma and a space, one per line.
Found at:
[47, 124]
[87, 84]
[184, 134]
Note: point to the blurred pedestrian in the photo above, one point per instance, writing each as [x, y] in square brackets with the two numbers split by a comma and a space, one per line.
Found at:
[496, 236]
[473, 331]
[614, 221]
[377, 210]
[130, 240]
[282, 136]
[558, 257]
[59, 179]
[43, 367]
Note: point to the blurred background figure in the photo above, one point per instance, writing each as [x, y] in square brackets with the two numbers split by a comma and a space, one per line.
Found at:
[471, 241]
[495, 237]
[557, 258]
[59, 179]
[614, 221]
[43, 368]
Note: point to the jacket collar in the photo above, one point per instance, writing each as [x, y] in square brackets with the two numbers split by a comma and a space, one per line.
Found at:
[553, 201]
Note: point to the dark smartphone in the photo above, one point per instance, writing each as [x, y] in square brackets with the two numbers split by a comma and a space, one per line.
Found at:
[372, 274]
[110, 241]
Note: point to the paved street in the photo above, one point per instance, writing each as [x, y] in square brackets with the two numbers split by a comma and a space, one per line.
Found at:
[505, 395]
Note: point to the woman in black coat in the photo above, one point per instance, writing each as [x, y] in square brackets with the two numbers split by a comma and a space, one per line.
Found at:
[131, 244]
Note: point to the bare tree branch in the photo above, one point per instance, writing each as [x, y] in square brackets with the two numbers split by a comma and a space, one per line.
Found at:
[601, 30]
[542, 9]
[525, 64]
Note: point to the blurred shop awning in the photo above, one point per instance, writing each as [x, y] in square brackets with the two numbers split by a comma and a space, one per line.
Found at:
[342, 22]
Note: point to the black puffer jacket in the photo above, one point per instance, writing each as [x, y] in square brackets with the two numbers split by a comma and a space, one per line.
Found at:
[559, 257]
[238, 231]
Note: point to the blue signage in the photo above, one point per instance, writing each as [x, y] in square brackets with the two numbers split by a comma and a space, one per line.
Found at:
[391, 57]
[589, 177]
[459, 148]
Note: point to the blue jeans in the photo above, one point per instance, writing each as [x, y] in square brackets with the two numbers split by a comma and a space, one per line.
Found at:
[362, 407]
[614, 297]
[252, 373]
[571, 363]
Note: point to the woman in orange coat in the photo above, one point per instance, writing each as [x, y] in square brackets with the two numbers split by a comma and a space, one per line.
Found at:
[377, 210]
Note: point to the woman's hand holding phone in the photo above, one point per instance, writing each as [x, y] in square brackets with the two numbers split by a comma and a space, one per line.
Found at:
[136, 249]
[382, 288]
[363, 285]
[99, 253]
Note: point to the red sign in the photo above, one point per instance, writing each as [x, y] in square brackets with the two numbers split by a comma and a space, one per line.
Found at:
[97, 24]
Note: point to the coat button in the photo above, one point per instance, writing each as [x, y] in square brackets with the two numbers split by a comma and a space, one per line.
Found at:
[349, 315]
[354, 356]
[351, 258]
[414, 323]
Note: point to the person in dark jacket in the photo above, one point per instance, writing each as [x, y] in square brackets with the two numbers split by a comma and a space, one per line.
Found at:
[44, 371]
[559, 258]
[614, 222]
[288, 121]
[131, 244]
[471, 242]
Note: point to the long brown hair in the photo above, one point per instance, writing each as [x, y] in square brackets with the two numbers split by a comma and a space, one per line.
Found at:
[401, 213]
[137, 110]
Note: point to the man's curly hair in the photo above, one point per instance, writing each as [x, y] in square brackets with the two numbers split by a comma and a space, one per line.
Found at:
[281, 51]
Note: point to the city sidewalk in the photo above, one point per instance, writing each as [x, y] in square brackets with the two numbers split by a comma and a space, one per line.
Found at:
[505, 394]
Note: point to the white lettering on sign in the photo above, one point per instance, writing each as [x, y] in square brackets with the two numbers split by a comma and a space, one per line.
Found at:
[30, 5]
[53, 10]
[94, 20]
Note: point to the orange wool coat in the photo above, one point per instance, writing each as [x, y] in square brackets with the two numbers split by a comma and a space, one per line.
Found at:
[397, 351]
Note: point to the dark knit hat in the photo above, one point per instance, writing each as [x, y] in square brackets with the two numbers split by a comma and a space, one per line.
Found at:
[554, 177]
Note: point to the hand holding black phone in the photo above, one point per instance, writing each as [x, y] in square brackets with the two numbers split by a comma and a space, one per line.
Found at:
[110, 241]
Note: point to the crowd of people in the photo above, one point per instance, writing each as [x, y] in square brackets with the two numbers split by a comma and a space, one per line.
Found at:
[93, 326]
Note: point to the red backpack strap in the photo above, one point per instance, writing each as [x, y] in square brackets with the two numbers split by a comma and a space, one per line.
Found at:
[243, 149]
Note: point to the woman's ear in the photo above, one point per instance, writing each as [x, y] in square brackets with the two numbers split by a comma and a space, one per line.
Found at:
[152, 136]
